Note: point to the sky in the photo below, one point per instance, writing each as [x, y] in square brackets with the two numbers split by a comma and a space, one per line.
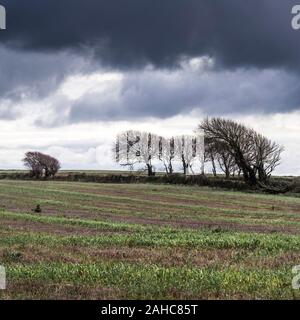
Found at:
[75, 73]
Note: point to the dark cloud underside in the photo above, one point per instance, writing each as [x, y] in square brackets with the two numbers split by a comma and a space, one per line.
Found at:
[131, 33]
[213, 93]
[255, 54]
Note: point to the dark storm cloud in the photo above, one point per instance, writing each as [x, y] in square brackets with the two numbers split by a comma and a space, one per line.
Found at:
[131, 33]
[34, 75]
[255, 51]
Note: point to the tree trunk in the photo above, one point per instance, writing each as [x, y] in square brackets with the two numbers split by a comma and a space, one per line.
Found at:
[214, 170]
[262, 176]
[250, 177]
[184, 165]
[248, 173]
[166, 169]
[170, 168]
[227, 173]
[150, 170]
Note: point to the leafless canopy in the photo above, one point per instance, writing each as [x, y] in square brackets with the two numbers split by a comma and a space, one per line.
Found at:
[236, 145]
[217, 153]
[41, 165]
[133, 147]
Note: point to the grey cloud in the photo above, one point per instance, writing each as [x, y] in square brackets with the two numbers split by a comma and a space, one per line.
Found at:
[35, 75]
[132, 33]
[255, 50]
[160, 95]
[7, 110]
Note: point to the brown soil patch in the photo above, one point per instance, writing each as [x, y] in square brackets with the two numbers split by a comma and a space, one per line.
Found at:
[216, 202]
[56, 229]
[277, 262]
[178, 223]
[34, 289]
[189, 224]
[163, 256]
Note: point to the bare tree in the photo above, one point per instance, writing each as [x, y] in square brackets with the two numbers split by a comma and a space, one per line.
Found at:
[51, 166]
[225, 159]
[210, 154]
[236, 137]
[189, 150]
[166, 153]
[267, 156]
[41, 165]
[183, 152]
[255, 155]
[133, 147]
[31, 161]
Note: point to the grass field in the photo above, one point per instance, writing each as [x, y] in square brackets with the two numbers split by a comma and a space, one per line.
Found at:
[109, 241]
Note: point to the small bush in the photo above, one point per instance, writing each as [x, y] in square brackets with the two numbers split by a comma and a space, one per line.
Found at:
[37, 209]
[11, 256]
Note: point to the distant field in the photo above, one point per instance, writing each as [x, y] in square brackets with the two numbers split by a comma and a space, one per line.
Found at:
[114, 172]
[108, 241]
[63, 173]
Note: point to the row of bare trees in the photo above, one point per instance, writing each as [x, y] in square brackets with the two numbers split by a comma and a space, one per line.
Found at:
[239, 149]
[41, 165]
[135, 147]
[229, 146]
